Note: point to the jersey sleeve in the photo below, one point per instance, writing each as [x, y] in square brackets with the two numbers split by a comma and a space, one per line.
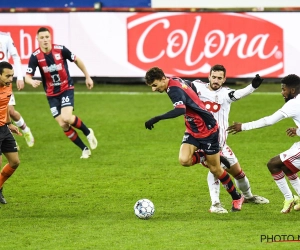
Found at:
[68, 54]
[290, 109]
[177, 97]
[33, 63]
[235, 95]
[263, 122]
[16, 58]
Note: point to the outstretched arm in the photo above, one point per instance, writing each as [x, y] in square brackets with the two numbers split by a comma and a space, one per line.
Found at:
[263, 122]
[171, 114]
[240, 93]
[88, 80]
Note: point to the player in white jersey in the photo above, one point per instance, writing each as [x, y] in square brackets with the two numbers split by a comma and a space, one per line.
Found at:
[218, 99]
[286, 163]
[7, 47]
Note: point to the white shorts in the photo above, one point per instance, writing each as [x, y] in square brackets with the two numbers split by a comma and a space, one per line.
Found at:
[12, 100]
[291, 157]
[230, 156]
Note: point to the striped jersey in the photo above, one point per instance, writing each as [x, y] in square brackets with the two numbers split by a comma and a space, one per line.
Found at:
[218, 102]
[199, 122]
[53, 67]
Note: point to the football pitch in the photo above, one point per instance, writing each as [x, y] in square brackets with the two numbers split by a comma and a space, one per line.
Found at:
[58, 201]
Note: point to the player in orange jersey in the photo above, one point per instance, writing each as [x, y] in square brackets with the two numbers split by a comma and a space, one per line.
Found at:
[7, 142]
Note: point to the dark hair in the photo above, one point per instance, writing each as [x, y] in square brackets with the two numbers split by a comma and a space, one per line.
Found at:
[218, 67]
[291, 80]
[5, 65]
[42, 29]
[153, 74]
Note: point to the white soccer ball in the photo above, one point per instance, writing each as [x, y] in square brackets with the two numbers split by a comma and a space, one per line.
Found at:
[144, 209]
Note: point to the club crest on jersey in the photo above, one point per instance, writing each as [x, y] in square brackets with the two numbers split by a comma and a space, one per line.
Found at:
[57, 56]
[184, 86]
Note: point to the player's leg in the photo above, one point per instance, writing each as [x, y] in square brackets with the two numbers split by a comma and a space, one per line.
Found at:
[211, 148]
[75, 121]
[9, 149]
[187, 154]
[241, 180]
[213, 162]
[275, 166]
[289, 162]
[55, 103]
[214, 192]
[72, 134]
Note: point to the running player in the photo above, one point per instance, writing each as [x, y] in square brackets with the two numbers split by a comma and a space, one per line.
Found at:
[51, 59]
[286, 163]
[201, 128]
[218, 99]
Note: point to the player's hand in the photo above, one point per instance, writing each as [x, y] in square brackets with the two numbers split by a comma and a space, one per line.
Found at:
[235, 128]
[149, 124]
[14, 129]
[291, 132]
[20, 84]
[89, 83]
[35, 83]
[256, 82]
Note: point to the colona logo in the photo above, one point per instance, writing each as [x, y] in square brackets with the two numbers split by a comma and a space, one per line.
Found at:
[188, 44]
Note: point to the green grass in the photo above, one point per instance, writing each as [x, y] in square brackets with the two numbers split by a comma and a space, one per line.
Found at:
[58, 201]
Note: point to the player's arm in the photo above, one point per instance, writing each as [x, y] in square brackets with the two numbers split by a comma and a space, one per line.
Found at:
[88, 80]
[263, 122]
[17, 63]
[171, 114]
[235, 95]
[33, 63]
[12, 127]
[178, 100]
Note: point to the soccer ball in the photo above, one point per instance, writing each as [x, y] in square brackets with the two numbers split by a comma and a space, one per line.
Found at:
[144, 209]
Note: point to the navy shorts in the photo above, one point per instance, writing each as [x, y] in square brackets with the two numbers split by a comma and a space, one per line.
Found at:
[210, 145]
[7, 141]
[56, 103]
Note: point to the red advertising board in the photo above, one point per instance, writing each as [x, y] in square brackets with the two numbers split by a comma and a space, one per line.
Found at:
[188, 44]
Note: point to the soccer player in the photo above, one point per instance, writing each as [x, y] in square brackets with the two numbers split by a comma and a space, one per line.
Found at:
[201, 128]
[51, 59]
[218, 99]
[7, 142]
[7, 47]
[286, 163]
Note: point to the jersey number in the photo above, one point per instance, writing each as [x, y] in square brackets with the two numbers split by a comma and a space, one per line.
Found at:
[65, 99]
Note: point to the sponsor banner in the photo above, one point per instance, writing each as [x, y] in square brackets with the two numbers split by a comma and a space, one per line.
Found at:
[182, 44]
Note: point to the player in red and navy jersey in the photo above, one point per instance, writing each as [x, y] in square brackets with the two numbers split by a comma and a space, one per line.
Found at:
[201, 128]
[51, 59]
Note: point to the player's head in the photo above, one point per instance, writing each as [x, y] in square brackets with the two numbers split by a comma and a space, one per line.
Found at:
[217, 76]
[156, 79]
[6, 73]
[290, 86]
[44, 39]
